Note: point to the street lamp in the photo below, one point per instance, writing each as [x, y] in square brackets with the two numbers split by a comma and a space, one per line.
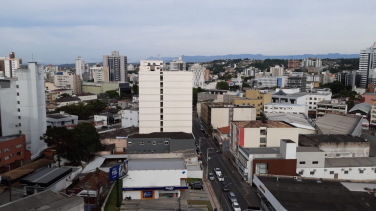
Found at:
[207, 160]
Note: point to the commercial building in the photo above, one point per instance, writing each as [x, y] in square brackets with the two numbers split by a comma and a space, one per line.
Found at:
[297, 82]
[67, 80]
[337, 145]
[199, 73]
[367, 65]
[331, 106]
[267, 160]
[155, 178]
[303, 98]
[284, 193]
[86, 96]
[257, 133]
[267, 81]
[219, 115]
[165, 99]
[253, 98]
[8, 65]
[222, 136]
[64, 101]
[286, 108]
[300, 121]
[102, 87]
[61, 120]
[339, 124]
[166, 142]
[178, 65]
[129, 118]
[50, 200]
[13, 152]
[117, 66]
[217, 95]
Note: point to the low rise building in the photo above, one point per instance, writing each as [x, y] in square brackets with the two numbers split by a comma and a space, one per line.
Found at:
[68, 80]
[339, 124]
[368, 98]
[297, 82]
[222, 136]
[253, 98]
[216, 95]
[361, 109]
[61, 120]
[50, 200]
[330, 106]
[296, 193]
[118, 138]
[286, 108]
[13, 152]
[86, 96]
[155, 178]
[336, 146]
[372, 120]
[300, 121]
[267, 160]
[129, 118]
[219, 115]
[64, 101]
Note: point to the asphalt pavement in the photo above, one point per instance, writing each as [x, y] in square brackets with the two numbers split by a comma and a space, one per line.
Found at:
[245, 194]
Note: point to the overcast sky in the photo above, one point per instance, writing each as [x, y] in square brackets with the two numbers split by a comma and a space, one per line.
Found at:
[57, 31]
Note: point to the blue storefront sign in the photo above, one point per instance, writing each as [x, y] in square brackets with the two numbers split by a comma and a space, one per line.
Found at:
[115, 172]
[147, 194]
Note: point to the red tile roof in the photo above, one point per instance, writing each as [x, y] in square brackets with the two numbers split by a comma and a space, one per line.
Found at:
[225, 130]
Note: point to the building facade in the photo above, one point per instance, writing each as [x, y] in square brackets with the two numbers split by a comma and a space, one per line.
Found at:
[330, 106]
[8, 65]
[129, 118]
[297, 82]
[61, 120]
[199, 74]
[165, 99]
[117, 66]
[178, 65]
[68, 80]
[286, 108]
[367, 64]
[13, 152]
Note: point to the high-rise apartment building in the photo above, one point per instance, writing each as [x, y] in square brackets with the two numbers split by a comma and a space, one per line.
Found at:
[165, 99]
[297, 82]
[199, 73]
[293, 64]
[178, 64]
[23, 107]
[68, 80]
[117, 66]
[277, 70]
[367, 64]
[8, 65]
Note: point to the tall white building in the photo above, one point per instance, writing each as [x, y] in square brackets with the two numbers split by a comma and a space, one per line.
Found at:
[367, 64]
[117, 66]
[79, 68]
[178, 64]
[198, 72]
[8, 65]
[165, 99]
[277, 70]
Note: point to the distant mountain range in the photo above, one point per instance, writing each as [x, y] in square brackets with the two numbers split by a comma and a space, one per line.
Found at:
[257, 56]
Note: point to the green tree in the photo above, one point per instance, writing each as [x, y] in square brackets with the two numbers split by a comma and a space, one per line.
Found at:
[135, 89]
[245, 85]
[64, 95]
[222, 85]
[113, 94]
[98, 106]
[195, 94]
[82, 110]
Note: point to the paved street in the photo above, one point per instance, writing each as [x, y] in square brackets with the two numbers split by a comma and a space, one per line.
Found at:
[245, 193]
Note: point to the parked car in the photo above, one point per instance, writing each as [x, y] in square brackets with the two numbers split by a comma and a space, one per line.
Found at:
[217, 171]
[106, 127]
[225, 187]
[197, 187]
[236, 206]
[220, 177]
[211, 176]
[232, 197]
[202, 129]
[195, 182]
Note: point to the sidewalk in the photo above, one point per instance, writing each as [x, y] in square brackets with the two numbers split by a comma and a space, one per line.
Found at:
[213, 199]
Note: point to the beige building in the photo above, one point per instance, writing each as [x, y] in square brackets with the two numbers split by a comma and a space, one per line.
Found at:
[97, 88]
[220, 115]
[100, 74]
[253, 98]
[68, 80]
[8, 65]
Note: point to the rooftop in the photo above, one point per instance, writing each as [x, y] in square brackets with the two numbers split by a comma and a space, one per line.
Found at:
[10, 137]
[171, 135]
[59, 116]
[309, 194]
[259, 123]
[350, 162]
[26, 169]
[333, 102]
[228, 105]
[156, 164]
[296, 120]
[337, 124]
[299, 94]
[316, 139]
[84, 94]
[121, 133]
[365, 107]
[45, 200]
[92, 180]
[67, 99]
[59, 90]
[285, 104]
[46, 176]
[224, 130]
[308, 149]
[262, 150]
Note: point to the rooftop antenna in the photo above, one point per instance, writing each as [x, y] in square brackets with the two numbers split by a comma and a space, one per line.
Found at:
[32, 57]
[158, 56]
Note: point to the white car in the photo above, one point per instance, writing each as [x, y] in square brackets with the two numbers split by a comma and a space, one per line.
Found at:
[217, 171]
[236, 206]
[220, 178]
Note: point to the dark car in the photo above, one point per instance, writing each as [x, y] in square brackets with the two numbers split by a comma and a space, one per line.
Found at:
[195, 182]
[197, 187]
[225, 187]
[202, 129]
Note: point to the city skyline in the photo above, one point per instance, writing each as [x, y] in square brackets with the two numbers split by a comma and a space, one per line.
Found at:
[58, 32]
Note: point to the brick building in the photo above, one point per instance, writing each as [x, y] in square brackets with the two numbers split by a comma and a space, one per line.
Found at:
[13, 152]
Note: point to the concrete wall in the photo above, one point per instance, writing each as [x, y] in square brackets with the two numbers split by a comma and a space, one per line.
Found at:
[219, 117]
[308, 158]
[244, 114]
[129, 118]
[251, 137]
[154, 178]
[195, 174]
[346, 149]
[358, 129]
[148, 145]
[274, 135]
[9, 115]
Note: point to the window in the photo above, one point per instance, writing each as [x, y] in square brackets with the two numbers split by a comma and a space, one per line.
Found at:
[154, 143]
[129, 143]
[19, 153]
[19, 87]
[346, 172]
[19, 145]
[62, 123]
[72, 121]
[141, 143]
[18, 102]
[6, 158]
[312, 172]
[337, 155]
[19, 124]
[161, 104]
[315, 162]
[19, 117]
[261, 168]
[302, 162]
[19, 110]
[6, 150]
[361, 171]
[166, 142]
[18, 94]
[331, 172]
